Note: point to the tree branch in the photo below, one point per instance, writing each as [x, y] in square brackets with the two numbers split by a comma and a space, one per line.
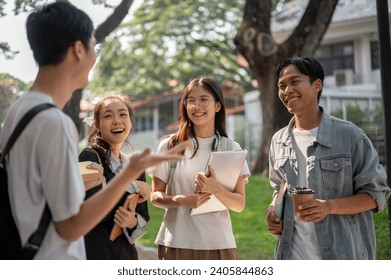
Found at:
[259, 14]
[317, 16]
[113, 21]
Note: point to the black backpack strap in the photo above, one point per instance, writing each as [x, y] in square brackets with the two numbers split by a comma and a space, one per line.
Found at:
[36, 238]
[21, 125]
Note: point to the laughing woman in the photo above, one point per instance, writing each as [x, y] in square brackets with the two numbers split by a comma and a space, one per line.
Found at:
[111, 126]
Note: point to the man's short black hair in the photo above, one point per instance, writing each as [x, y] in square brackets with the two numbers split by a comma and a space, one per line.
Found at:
[52, 29]
[305, 65]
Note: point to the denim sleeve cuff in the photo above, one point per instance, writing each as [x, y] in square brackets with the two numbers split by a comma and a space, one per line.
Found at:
[379, 198]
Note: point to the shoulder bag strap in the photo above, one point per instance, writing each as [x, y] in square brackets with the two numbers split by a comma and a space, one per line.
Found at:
[96, 153]
[171, 172]
[21, 125]
[227, 144]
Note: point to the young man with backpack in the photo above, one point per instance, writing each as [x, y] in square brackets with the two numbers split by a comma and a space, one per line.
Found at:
[42, 166]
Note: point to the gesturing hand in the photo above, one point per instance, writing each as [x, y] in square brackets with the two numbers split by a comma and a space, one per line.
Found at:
[142, 160]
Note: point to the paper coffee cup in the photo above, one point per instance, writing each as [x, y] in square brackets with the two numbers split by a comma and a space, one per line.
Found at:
[301, 196]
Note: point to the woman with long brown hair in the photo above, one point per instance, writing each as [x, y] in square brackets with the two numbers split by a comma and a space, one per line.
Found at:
[208, 235]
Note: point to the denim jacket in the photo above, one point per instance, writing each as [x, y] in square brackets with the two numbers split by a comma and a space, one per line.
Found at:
[342, 162]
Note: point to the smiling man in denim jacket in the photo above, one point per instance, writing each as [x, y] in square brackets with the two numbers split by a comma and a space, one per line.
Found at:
[336, 160]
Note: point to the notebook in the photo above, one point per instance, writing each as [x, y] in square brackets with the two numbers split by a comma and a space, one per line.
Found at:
[227, 166]
[88, 174]
[280, 200]
[130, 204]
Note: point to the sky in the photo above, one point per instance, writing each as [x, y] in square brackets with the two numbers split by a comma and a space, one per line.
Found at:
[12, 30]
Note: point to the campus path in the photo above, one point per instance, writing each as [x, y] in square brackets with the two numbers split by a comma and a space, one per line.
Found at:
[146, 253]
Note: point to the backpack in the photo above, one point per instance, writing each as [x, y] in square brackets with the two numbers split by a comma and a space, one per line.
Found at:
[10, 244]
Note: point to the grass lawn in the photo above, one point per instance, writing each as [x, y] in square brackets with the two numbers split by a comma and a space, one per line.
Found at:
[253, 240]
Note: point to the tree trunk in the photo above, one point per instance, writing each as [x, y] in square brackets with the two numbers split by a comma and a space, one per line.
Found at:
[72, 109]
[273, 116]
[255, 43]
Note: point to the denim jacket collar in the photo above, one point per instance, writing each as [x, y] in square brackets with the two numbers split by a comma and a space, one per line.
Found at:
[324, 131]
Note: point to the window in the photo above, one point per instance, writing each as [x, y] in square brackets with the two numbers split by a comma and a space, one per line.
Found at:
[337, 56]
[375, 59]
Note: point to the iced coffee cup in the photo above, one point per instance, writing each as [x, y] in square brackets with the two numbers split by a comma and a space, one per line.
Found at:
[301, 196]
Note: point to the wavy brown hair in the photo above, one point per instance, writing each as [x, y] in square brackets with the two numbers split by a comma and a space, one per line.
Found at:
[186, 129]
[95, 139]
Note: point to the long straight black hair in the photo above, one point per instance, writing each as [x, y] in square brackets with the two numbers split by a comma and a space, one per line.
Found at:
[186, 130]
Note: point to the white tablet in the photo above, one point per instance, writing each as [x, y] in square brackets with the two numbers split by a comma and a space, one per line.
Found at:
[227, 166]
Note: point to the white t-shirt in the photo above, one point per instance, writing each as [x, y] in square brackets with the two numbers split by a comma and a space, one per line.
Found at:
[211, 231]
[304, 241]
[43, 167]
